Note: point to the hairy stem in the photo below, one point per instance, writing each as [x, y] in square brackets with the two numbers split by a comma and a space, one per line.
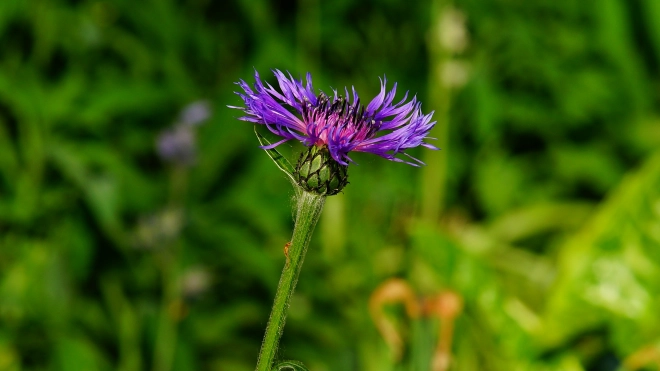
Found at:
[309, 208]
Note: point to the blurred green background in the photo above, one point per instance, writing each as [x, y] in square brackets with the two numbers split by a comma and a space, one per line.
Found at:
[541, 213]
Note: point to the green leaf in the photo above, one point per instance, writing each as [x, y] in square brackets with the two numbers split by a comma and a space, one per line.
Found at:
[608, 272]
[277, 157]
[290, 366]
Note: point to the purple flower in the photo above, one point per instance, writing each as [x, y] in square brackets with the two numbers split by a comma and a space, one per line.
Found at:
[177, 145]
[195, 113]
[339, 122]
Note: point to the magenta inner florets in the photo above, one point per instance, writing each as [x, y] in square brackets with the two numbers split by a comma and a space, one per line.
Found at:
[337, 118]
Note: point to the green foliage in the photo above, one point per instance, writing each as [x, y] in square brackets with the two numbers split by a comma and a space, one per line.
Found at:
[112, 258]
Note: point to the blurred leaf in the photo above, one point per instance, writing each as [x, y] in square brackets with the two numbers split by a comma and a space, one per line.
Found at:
[593, 165]
[100, 189]
[609, 271]
[500, 183]
[521, 223]
[77, 353]
[9, 359]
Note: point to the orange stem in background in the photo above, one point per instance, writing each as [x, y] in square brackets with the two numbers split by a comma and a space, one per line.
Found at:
[447, 306]
[393, 291]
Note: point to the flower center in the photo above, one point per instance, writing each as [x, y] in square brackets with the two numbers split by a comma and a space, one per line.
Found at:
[338, 118]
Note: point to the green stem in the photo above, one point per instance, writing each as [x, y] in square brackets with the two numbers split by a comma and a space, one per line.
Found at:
[434, 175]
[166, 339]
[309, 208]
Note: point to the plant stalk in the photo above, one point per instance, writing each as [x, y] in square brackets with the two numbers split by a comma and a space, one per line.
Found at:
[308, 211]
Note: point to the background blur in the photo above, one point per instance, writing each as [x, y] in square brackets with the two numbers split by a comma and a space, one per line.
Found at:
[141, 227]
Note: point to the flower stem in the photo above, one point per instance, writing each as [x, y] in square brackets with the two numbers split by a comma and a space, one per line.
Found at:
[309, 208]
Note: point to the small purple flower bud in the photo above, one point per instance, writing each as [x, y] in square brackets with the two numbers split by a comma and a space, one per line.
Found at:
[195, 113]
[177, 145]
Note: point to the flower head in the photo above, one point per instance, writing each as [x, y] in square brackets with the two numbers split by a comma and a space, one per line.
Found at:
[337, 122]
[195, 113]
[178, 143]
